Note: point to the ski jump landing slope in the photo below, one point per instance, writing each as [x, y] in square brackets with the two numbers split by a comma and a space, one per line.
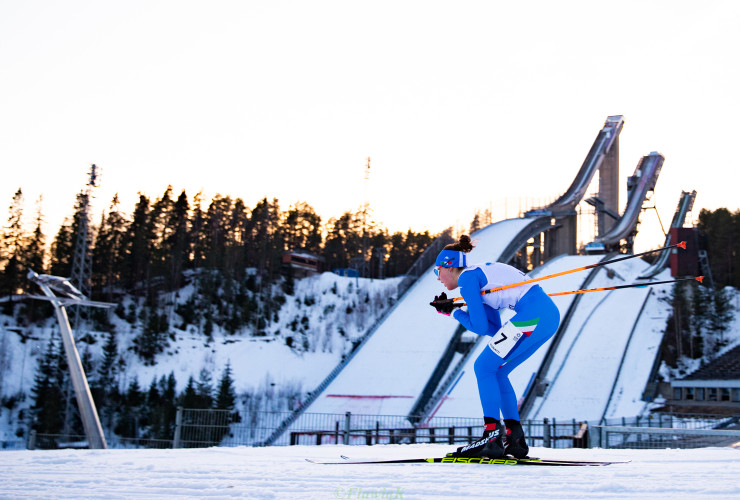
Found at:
[603, 360]
[390, 370]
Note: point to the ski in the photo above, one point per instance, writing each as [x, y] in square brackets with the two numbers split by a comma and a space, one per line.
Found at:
[468, 460]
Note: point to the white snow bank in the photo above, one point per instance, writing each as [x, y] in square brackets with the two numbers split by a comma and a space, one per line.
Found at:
[282, 472]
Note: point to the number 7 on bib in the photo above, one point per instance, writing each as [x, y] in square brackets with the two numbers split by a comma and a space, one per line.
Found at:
[510, 335]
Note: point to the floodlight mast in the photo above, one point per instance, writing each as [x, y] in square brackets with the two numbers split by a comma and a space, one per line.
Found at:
[88, 412]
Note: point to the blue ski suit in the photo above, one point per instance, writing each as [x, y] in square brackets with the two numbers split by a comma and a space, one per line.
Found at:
[536, 317]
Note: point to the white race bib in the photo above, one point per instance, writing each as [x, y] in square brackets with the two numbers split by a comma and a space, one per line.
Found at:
[505, 339]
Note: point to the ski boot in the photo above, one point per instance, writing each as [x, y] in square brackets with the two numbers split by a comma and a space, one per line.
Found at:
[514, 442]
[489, 446]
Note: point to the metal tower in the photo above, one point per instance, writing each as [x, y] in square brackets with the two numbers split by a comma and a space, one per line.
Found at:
[82, 259]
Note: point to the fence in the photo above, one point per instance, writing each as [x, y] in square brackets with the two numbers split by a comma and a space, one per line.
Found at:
[40, 441]
[202, 428]
[371, 429]
[14, 444]
[656, 437]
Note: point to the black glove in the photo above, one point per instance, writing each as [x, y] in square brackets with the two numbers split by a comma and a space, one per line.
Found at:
[442, 304]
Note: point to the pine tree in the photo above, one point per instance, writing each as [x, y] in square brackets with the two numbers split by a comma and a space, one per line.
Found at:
[678, 327]
[204, 389]
[137, 245]
[153, 407]
[108, 258]
[48, 400]
[215, 231]
[701, 312]
[176, 241]
[396, 255]
[267, 238]
[13, 246]
[226, 400]
[152, 338]
[104, 389]
[722, 230]
[235, 257]
[168, 412]
[343, 241]
[159, 233]
[62, 248]
[36, 244]
[722, 317]
[189, 398]
[302, 228]
[132, 411]
[476, 223]
[226, 397]
[195, 241]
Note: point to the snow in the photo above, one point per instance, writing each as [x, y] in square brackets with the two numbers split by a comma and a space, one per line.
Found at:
[282, 473]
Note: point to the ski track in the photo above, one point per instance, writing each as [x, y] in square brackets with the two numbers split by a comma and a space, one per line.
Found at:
[282, 472]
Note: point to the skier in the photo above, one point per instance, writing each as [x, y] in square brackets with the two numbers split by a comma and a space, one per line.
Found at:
[536, 319]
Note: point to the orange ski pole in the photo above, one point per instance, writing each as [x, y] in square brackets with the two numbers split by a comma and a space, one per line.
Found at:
[681, 244]
[634, 285]
[617, 287]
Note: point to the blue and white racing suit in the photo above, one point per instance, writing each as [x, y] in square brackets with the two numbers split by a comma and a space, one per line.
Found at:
[536, 315]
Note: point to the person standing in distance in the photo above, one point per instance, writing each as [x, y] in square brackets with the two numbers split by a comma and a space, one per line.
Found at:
[536, 319]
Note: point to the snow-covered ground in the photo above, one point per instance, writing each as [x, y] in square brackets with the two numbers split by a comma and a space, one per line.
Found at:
[281, 472]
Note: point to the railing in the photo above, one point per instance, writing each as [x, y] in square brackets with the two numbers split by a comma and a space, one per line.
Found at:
[674, 421]
[40, 441]
[548, 434]
[15, 444]
[205, 428]
[660, 438]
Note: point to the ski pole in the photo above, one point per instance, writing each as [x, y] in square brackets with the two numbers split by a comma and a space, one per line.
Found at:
[617, 287]
[634, 285]
[681, 244]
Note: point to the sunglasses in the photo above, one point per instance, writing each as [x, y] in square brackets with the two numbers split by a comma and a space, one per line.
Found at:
[436, 270]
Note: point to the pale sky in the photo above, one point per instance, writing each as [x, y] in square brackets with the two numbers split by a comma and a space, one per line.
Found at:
[460, 105]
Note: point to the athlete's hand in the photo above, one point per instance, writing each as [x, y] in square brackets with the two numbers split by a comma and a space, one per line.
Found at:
[442, 304]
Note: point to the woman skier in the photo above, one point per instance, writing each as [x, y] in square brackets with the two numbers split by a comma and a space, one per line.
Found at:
[536, 319]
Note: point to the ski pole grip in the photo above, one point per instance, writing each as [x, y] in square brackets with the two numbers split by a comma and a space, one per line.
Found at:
[436, 303]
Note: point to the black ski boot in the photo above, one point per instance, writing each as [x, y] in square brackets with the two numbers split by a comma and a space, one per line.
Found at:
[489, 446]
[515, 444]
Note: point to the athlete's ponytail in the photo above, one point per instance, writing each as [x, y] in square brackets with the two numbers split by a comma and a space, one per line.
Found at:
[463, 245]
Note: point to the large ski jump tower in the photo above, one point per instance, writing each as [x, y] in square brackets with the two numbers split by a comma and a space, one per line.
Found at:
[604, 159]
